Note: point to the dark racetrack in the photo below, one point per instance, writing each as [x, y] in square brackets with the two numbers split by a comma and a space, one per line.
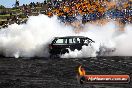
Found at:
[60, 72]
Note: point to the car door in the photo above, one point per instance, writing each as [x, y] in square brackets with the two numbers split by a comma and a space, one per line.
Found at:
[74, 43]
[60, 44]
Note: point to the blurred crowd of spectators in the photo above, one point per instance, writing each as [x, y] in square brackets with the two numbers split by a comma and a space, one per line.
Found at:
[68, 10]
[91, 10]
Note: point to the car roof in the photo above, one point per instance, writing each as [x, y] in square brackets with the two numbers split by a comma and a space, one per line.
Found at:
[72, 37]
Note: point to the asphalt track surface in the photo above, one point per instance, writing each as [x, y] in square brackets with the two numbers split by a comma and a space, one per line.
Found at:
[60, 72]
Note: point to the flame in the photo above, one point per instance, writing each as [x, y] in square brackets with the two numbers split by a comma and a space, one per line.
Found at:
[81, 71]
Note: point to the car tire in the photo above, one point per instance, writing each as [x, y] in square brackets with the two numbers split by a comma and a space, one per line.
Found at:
[72, 49]
[64, 51]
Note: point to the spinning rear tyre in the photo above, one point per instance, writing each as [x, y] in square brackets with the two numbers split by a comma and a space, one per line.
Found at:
[64, 51]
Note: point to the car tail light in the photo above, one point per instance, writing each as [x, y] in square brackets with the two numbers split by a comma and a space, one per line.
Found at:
[50, 47]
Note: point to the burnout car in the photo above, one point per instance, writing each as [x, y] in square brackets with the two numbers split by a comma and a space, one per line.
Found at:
[60, 45]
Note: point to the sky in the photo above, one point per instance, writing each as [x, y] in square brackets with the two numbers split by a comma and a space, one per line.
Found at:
[9, 3]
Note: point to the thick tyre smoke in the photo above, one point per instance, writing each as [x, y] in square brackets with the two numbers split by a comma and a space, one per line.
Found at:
[32, 39]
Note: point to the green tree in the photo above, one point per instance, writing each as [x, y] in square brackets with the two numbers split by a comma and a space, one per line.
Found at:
[2, 7]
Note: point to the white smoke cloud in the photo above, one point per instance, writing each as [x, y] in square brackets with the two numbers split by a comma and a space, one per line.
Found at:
[87, 51]
[32, 38]
[124, 42]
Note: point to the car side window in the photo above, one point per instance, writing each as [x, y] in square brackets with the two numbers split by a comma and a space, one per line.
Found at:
[72, 40]
[61, 41]
[78, 40]
[65, 41]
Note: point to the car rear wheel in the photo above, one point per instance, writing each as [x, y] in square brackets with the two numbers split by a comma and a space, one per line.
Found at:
[64, 51]
[79, 48]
